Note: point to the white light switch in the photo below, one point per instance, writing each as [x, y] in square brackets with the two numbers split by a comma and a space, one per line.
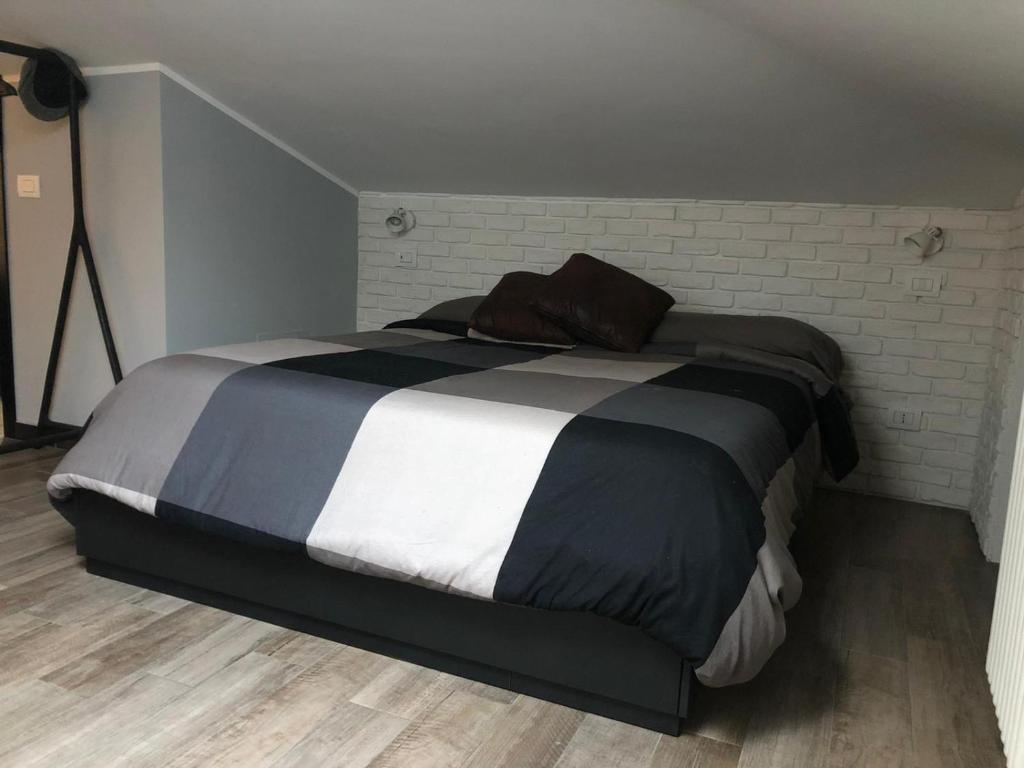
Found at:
[28, 186]
[924, 282]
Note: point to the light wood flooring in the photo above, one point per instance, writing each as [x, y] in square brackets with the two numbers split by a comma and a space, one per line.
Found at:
[884, 666]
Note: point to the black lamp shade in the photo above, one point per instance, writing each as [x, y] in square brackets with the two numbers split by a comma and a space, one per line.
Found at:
[44, 86]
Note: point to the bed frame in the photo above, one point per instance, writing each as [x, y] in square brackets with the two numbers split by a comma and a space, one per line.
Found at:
[577, 659]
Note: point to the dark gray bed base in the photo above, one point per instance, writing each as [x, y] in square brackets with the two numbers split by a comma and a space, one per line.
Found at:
[579, 660]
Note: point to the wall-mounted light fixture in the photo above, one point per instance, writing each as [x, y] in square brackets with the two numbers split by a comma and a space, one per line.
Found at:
[400, 221]
[928, 241]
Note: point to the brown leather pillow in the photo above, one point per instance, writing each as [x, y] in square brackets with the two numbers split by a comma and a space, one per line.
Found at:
[602, 304]
[506, 315]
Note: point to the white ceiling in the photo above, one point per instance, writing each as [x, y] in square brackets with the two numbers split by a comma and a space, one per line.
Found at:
[964, 59]
[897, 102]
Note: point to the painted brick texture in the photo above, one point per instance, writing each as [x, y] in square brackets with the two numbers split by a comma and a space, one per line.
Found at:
[1000, 415]
[843, 269]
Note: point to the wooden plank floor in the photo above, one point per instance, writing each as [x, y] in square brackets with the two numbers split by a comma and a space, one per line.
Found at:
[883, 667]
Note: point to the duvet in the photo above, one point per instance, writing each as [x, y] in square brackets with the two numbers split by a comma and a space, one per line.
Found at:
[658, 488]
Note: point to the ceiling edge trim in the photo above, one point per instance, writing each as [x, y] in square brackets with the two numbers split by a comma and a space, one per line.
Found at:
[188, 85]
[240, 118]
[688, 201]
[121, 69]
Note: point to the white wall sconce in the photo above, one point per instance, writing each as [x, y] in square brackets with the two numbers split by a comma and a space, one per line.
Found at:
[400, 221]
[928, 241]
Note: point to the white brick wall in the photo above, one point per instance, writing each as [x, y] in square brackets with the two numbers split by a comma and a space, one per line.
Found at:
[1003, 397]
[840, 268]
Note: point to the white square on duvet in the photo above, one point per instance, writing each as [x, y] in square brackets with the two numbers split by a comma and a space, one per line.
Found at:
[260, 352]
[433, 488]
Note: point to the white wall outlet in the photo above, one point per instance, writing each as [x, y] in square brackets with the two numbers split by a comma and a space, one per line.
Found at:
[924, 282]
[407, 258]
[28, 186]
[905, 419]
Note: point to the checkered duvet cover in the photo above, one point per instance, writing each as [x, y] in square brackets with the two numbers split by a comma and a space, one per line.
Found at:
[656, 488]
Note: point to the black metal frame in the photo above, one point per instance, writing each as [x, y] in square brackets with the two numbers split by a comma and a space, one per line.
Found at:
[48, 432]
[6, 330]
[580, 660]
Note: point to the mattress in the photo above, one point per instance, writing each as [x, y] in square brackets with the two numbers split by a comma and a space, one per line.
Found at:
[657, 488]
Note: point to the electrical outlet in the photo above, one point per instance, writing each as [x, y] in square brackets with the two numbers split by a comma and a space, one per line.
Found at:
[407, 258]
[905, 419]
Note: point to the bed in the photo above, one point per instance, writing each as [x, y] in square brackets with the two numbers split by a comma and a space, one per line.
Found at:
[596, 528]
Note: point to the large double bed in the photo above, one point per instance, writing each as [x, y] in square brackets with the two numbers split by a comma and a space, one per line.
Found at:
[593, 527]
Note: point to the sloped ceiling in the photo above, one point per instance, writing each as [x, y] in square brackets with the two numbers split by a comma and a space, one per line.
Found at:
[899, 102]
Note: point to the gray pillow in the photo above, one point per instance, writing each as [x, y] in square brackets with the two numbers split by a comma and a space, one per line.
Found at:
[454, 310]
[766, 333]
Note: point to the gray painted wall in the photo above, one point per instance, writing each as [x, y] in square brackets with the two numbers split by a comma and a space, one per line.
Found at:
[256, 244]
[123, 198]
[204, 233]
